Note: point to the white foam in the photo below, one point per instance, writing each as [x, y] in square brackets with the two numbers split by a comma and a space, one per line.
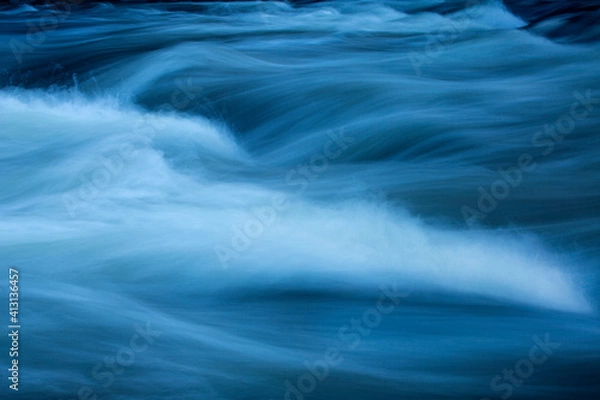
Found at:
[155, 210]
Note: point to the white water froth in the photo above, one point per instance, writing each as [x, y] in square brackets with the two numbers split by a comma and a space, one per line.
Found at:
[153, 209]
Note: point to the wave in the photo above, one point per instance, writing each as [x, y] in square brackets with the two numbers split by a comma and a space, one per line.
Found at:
[250, 178]
[179, 184]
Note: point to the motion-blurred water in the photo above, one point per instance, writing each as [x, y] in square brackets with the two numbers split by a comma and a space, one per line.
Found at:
[332, 200]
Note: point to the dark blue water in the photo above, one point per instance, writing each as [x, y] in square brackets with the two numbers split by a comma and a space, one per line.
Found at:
[309, 200]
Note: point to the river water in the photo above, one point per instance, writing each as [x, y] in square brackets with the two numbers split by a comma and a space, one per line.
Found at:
[320, 200]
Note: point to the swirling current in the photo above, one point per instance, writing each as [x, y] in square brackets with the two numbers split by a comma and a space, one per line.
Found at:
[301, 200]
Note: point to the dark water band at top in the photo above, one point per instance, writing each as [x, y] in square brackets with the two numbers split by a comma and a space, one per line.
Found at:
[560, 20]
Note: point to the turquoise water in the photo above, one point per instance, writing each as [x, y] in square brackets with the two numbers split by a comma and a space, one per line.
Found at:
[266, 200]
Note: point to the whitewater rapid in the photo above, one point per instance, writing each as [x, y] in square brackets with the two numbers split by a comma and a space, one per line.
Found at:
[248, 180]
